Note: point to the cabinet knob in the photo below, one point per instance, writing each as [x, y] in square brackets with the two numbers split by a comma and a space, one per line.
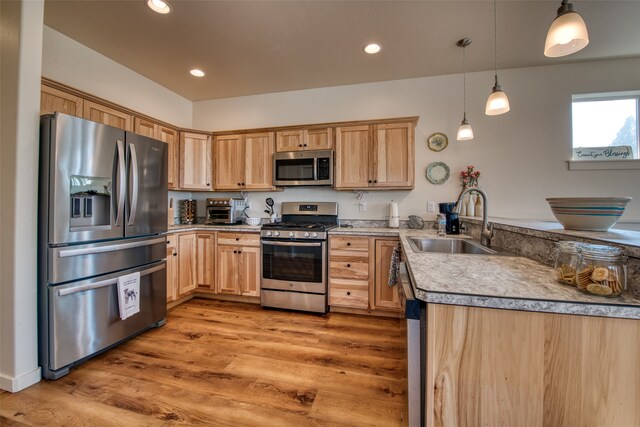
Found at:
[369, 181]
[175, 254]
[349, 265]
[375, 181]
[168, 242]
[348, 243]
[243, 184]
[237, 239]
[299, 145]
[208, 184]
[238, 184]
[235, 252]
[304, 145]
[348, 293]
[239, 252]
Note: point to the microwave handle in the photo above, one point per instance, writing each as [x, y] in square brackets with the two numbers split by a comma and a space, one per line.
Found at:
[315, 168]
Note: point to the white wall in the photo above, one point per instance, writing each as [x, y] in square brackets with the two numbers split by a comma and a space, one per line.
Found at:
[21, 45]
[67, 61]
[522, 154]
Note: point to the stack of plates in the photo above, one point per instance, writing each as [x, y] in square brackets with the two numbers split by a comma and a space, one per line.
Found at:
[588, 213]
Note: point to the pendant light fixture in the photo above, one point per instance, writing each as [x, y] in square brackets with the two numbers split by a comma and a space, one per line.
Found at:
[464, 131]
[567, 34]
[498, 103]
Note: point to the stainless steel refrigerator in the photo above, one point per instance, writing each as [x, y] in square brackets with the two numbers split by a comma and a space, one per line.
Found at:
[102, 215]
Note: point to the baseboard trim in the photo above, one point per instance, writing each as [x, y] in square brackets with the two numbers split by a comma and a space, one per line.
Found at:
[14, 385]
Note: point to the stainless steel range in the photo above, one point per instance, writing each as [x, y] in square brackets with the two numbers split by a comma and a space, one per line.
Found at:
[294, 257]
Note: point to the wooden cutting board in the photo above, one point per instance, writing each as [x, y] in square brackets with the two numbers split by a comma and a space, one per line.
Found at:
[170, 213]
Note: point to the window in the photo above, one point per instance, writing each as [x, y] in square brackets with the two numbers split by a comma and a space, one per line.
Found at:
[605, 126]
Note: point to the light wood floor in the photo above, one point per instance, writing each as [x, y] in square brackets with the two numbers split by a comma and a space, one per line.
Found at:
[232, 364]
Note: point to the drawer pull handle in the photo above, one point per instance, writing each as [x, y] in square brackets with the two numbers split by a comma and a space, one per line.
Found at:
[348, 265]
[348, 243]
[237, 239]
[348, 293]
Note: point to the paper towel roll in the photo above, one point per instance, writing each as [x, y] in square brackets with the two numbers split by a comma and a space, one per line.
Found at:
[394, 219]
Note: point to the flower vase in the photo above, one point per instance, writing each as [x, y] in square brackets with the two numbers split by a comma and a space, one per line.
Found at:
[463, 206]
[472, 205]
[478, 208]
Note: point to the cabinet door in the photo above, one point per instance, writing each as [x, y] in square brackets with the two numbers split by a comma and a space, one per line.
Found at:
[170, 136]
[107, 115]
[172, 269]
[52, 100]
[258, 161]
[228, 272]
[290, 140]
[230, 161]
[393, 156]
[187, 249]
[195, 161]
[319, 139]
[352, 157]
[249, 270]
[206, 259]
[145, 127]
[385, 297]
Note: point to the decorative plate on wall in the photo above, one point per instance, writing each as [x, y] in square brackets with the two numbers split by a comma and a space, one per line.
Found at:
[438, 141]
[438, 173]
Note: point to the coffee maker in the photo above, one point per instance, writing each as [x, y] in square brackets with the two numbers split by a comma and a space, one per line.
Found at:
[453, 220]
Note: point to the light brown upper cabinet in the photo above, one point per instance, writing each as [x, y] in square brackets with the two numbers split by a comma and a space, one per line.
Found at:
[52, 100]
[244, 162]
[195, 161]
[374, 157]
[304, 139]
[163, 133]
[107, 115]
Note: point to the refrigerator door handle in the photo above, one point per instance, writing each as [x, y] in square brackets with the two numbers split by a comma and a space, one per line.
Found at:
[103, 283]
[133, 184]
[111, 248]
[122, 178]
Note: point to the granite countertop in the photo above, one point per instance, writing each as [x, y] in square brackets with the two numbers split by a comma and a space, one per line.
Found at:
[203, 227]
[495, 281]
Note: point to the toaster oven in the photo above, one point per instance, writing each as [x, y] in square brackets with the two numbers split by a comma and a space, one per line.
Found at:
[224, 211]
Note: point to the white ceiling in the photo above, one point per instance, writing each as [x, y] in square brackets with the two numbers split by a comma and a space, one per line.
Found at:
[254, 47]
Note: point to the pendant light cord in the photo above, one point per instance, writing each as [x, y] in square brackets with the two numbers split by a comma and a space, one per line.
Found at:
[464, 82]
[495, 41]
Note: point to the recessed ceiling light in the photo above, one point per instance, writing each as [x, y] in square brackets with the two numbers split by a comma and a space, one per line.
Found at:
[197, 73]
[372, 48]
[159, 6]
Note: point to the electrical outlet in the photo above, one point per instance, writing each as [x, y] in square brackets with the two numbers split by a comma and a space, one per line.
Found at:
[362, 206]
[431, 206]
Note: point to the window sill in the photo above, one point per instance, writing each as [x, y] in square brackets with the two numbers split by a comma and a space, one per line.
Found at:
[582, 165]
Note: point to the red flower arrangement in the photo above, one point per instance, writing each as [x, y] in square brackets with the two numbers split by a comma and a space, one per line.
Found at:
[469, 177]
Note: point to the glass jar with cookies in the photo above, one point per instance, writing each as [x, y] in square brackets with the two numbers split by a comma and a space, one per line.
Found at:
[566, 254]
[601, 270]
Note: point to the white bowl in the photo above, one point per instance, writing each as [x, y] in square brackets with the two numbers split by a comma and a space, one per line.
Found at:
[588, 213]
[253, 221]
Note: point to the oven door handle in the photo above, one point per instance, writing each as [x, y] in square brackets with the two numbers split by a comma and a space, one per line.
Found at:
[269, 242]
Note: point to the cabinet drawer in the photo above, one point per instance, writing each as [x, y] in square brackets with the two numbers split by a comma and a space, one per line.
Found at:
[358, 244]
[349, 293]
[349, 267]
[239, 239]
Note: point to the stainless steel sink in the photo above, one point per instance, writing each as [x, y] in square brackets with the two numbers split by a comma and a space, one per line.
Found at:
[449, 246]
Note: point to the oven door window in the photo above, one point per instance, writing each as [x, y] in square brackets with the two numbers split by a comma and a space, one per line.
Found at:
[219, 214]
[292, 263]
[294, 170]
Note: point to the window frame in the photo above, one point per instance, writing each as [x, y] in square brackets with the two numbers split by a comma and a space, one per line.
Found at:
[606, 164]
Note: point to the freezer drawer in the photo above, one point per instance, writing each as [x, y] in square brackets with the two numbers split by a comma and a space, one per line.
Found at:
[84, 316]
[76, 262]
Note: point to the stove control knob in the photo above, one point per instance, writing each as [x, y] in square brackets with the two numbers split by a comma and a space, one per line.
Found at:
[276, 233]
[292, 234]
[268, 233]
[306, 234]
[314, 234]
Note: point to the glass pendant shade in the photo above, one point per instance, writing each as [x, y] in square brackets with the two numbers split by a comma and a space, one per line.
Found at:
[465, 132]
[567, 34]
[498, 103]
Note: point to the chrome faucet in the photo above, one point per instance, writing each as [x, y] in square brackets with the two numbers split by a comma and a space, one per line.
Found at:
[487, 229]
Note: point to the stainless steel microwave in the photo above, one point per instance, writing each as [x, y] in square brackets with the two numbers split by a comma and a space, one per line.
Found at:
[303, 168]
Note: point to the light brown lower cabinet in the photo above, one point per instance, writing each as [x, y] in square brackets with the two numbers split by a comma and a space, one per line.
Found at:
[206, 258]
[359, 274]
[172, 268]
[238, 264]
[187, 273]
[513, 368]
